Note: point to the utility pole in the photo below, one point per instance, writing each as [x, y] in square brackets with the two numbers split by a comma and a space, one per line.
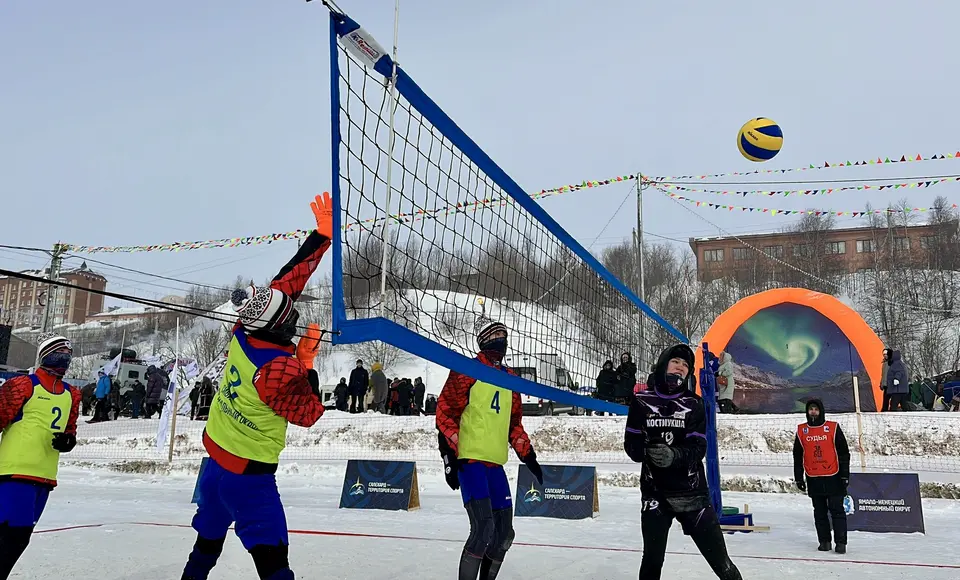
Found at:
[49, 309]
[641, 291]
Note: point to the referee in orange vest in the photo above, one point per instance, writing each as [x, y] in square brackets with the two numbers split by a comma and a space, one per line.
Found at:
[820, 452]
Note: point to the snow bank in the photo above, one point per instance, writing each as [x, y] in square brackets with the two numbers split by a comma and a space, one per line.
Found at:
[923, 442]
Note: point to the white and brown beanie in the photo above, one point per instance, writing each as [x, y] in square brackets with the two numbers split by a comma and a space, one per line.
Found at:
[49, 342]
[260, 307]
[485, 328]
[49, 355]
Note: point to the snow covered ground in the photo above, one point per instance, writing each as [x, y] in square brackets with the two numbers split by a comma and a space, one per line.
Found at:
[123, 526]
[922, 442]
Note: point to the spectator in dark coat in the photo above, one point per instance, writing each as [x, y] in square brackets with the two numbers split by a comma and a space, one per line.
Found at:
[359, 381]
[340, 394]
[404, 397]
[378, 382]
[430, 405]
[419, 391]
[898, 382]
[884, 369]
[206, 398]
[88, 398]
[155, 390]
[607, 381]
[137, 394]
[626, 379]
[194, 400]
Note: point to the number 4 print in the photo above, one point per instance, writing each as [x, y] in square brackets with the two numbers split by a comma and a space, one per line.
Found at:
[495, 403]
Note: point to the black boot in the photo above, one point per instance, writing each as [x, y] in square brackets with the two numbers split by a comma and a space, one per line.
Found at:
[469, 566]
[841, 548]
[489, 568]
[824, 547]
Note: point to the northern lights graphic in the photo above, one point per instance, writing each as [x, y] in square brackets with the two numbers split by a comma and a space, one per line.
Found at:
[788, 353]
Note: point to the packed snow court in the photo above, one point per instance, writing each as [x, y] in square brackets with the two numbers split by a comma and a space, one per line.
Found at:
[372, 544]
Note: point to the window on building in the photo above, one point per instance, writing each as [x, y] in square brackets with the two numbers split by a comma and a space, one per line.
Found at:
[835, 248]
[741, 254]
[713, 255]
[805, 250]
[774, 251]
[929, 242]
[865, 246]
[901, 244]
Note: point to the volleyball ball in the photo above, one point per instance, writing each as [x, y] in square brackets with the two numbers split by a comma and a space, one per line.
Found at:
[760, 139]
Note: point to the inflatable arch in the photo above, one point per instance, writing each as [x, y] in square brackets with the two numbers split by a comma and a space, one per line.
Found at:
[830, 330]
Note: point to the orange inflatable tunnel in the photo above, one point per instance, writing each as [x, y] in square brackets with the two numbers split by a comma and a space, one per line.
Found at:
[790, 344]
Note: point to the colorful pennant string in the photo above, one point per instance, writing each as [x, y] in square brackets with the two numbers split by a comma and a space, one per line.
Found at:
[658, 182]
[795, 192]
[826, 165]
[779, 211]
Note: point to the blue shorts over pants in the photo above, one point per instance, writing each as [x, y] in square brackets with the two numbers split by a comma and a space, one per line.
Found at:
[252, 501]
[480, 481]
[22, 503]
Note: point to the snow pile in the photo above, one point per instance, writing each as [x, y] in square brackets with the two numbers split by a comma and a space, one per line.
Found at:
[911, 441]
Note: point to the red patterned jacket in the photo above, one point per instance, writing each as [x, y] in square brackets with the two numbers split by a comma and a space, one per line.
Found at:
[454, 398]
[282, 383]
[15, 393]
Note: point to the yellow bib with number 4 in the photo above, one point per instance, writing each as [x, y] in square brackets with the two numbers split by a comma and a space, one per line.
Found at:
[485, 424]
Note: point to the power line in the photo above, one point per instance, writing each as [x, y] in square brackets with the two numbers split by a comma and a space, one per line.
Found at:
[198, 312]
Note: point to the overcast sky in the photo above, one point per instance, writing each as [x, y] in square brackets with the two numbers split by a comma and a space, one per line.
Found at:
[152, 122]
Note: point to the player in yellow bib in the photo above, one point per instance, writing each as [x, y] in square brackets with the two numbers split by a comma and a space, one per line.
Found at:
[477, 422]
[38, 421]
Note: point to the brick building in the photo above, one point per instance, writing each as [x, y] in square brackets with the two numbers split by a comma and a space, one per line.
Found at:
[842, 250]
[22, 301]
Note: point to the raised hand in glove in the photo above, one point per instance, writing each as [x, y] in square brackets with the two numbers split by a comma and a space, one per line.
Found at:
[661, 455]
[531, 462]
[323, 212]
[309, 345]
[802, 485]
[451, 464]
[63, 442]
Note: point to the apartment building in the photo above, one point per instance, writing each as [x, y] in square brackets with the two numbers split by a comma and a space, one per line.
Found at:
[22, 301]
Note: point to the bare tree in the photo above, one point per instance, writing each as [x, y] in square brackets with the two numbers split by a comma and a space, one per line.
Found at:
[207, 344]
[386, 354]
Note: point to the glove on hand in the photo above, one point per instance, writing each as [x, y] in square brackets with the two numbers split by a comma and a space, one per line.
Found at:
[309, 345]
[314, 379]
[846, 484]
[531, 462]
[661, 455]
[802, 485]
[451, 464]
[323, 212]
[63, 442]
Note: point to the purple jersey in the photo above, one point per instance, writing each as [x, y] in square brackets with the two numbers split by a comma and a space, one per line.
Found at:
[678, 422]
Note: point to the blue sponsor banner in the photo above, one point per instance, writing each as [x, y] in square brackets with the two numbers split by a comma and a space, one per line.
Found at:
[380, 485]
[568, 492]
[884, 502]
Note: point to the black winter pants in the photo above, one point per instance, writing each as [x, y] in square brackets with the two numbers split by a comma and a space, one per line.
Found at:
[825, 509]
[896, 402]
[702, 526]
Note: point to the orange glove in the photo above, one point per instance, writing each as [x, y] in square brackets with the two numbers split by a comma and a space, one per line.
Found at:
[309, 346]
[323, 212]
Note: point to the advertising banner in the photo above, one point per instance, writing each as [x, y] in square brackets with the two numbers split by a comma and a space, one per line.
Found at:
[568, 492]
[380, 485]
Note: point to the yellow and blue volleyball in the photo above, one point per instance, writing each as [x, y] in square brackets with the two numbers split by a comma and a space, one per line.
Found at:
[760, 139]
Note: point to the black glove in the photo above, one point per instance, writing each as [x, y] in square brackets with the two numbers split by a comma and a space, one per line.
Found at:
[63, 442]
[802, 485]
[451, 464]
[662, 455]
[314, 379]
[531, 462]
[846, 484]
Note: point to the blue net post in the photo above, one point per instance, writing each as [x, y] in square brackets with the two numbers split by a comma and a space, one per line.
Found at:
[708, 388]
